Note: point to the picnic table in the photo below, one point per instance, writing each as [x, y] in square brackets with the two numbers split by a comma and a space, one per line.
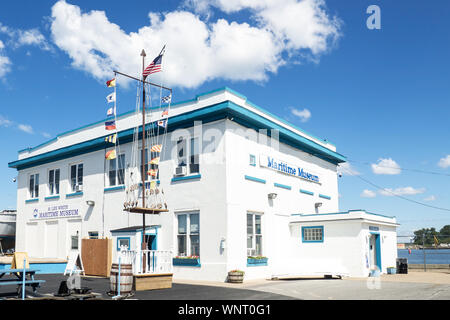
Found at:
[24, 277]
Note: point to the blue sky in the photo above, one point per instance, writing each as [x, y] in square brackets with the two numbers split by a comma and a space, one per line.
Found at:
[378, 95]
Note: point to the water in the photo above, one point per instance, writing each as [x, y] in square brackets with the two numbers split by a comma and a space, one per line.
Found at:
[440, 256]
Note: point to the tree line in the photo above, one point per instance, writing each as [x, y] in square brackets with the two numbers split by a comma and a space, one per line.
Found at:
[427, 235]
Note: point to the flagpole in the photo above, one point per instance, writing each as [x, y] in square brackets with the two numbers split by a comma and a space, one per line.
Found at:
[143, 159]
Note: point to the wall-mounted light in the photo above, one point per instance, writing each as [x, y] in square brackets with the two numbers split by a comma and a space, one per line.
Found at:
[318, 204]
[90, 203]
[272, 195]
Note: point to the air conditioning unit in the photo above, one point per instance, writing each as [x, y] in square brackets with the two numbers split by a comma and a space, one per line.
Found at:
[180, 171]
[79, 187]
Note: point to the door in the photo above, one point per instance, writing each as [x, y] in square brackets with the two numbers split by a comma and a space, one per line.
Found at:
[31, 240]
[150, 239]
[51, 239]
[372, 252]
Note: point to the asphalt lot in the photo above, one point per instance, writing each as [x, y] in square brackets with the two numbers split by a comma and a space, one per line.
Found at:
[413, 286]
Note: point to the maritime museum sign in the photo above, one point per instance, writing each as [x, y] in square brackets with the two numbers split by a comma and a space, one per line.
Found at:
[61, 211]
[286, 168]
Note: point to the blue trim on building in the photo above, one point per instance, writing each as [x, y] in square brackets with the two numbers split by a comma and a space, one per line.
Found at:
[307, 192]
[254, 179]
[121, 238]
[378, 249]
[79, 193]
[257, 262]
[324, 196]
[114, 188]
[32, 200]
[177, 262]
[52, 198]
[197, 176]
[377, 214]
[44, 268]
[283, 186]
[312, 241]
[207, 114]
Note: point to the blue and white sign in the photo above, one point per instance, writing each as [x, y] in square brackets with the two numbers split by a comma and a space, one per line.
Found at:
[61, 211]
[286, 168]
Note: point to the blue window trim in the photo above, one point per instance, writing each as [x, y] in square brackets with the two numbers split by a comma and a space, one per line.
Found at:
[32, 200]
[114, 188]
[254, 179]
[254, 158]
[121, 238]
[307, 192]
[325, 197]
[52, 197]
[283, 186]
[79, 193]
[312, 241]
[196, 176]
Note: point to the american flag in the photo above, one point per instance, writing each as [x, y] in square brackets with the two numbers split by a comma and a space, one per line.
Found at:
[153, 67]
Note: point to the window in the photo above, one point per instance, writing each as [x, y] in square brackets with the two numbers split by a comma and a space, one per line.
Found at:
[123, 242]
[34, 186]
[116, 172]
[252, 160]
[188, 237]
[53, 182]
[254, 234]
[93, 234]
[74, 242]
[312, 234]
[76, 176]
[148, 166]
[191, 161]
[194, 165]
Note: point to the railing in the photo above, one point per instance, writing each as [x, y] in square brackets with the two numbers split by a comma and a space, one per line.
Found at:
[155, 262]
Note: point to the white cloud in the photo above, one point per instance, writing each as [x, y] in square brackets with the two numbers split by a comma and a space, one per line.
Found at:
[304, 114]
[5, 122]
[46, 135]
[386, 166]
[25, 128]
[430, 198]
[198, 51]
[444, 162]
[401, 191]
[5, 63]
[368, 194]
[347, 169]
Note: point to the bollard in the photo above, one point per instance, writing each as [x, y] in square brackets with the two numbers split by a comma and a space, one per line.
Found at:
[23, 278]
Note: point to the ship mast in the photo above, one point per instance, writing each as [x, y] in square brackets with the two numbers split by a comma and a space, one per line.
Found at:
[143, 173]
[144, 210]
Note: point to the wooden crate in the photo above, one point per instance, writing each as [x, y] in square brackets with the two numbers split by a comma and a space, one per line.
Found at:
[152, 281]
[97, 256]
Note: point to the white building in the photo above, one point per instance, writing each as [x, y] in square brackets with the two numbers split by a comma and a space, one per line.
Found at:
[242, 194]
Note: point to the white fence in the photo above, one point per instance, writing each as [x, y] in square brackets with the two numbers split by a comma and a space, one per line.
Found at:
[155, 261]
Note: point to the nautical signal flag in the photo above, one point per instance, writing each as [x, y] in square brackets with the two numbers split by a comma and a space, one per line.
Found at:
[112, 138]
[165, 113]
[152, 185]
[166, 99]
[155, 161]
[110, 125]
[152, 172]
[111, 111]
[156, 148]
[111, 83]
[111, 97]
[111, 154]
[162, 123]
